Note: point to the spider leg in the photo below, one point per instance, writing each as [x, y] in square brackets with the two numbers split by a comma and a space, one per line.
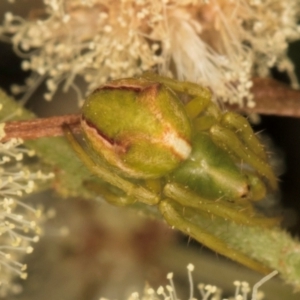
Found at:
[228, 211]
[204, 123]
[129, 188]
[242, 128]
[229, 141]
[112, 197]
[174, 216]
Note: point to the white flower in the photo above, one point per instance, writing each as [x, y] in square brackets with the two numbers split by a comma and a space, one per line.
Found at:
[206, 291]
[218, 43]
[19, 222]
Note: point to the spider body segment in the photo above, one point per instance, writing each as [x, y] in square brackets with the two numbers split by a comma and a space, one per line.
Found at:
[185, 157]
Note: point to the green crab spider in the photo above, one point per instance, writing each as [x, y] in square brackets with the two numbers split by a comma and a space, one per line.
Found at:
[187, 158]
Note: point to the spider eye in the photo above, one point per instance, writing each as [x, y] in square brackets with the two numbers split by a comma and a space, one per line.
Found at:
[139, 127]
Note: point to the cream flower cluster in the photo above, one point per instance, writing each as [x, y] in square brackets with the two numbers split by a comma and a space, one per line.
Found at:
[217, 43]
[207, 291]
[19, 222]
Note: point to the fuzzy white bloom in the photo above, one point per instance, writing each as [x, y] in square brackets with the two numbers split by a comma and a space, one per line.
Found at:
[19, 222]
[217, 43]
[206, 291]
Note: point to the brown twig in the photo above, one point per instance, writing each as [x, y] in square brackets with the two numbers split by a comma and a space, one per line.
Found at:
[271, 97]
[37, 128]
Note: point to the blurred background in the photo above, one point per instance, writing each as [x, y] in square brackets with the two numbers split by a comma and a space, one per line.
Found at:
[87, 252]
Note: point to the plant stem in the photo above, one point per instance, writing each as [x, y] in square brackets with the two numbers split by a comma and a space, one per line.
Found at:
[37, 128]
[272, 98]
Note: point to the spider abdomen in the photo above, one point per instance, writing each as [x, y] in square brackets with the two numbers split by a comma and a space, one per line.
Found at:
[139, 127]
